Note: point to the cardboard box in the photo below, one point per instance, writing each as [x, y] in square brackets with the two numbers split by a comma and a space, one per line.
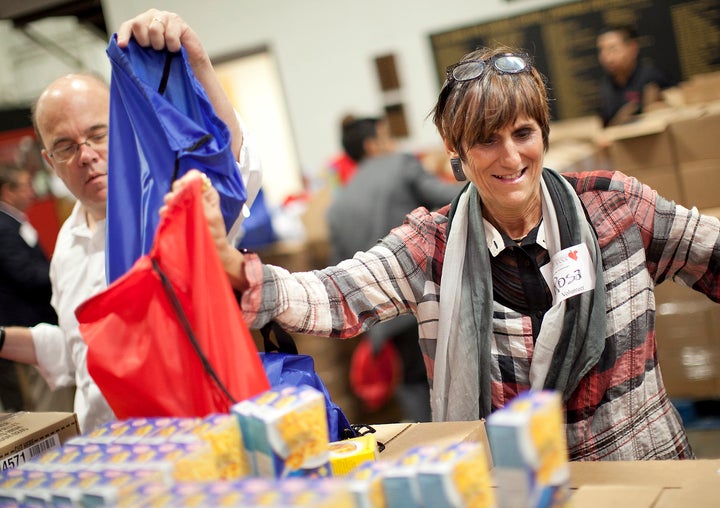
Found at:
[398, 438]
[574, 155]
[617, 496]
[700, 181]
[662, 473]
[644, 143]
[695, 138]
[696, 494]
[672, 292]
[688, 342]
[715, 212]
[584, 128]
[26, 435]
[701, 88]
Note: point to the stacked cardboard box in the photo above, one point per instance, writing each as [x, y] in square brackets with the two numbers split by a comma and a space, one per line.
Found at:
[673, 150]
[688, 341]
[643, 149]
[698, 156]
[25, 435]
[701, 88]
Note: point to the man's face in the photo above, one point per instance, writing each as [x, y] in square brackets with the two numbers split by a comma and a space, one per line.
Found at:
[386, 143]
[72, 119]
[19, 194]
[617, 55]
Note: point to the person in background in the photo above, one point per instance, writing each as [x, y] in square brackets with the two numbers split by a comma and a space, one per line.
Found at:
[71, 119]
[629, 85]
[528, 280]
[342, 167]
[386, 185]
[24, 292]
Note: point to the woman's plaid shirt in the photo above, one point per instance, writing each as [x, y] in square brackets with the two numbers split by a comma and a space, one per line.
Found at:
[620, 410]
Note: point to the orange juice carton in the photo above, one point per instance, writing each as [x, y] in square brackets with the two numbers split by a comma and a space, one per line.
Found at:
[285, 429]
[178, 461]
[132, 430]
[347, 454]
[457, 477]
[400, 481]
[529, 451]
[365, 483]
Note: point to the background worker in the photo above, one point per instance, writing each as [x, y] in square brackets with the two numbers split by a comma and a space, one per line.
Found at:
[629, 85]
[24, 292]
[385, 186]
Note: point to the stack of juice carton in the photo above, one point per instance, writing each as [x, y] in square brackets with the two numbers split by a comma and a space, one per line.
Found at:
[273, 450]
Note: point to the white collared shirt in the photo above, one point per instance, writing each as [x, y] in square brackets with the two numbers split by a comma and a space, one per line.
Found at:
[495, 241]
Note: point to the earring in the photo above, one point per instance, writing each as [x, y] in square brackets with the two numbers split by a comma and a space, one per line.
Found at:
[457, 169]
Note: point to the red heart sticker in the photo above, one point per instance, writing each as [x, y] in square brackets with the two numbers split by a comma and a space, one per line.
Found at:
[573, 254]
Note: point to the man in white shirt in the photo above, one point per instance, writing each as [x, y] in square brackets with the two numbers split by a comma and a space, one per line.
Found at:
[71, 117]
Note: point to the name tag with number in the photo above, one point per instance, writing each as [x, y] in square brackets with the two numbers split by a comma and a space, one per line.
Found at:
[569, 273]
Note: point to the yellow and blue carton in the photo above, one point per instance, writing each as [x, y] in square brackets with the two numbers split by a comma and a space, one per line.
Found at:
[529, 451]
[458, 476]
[285, 432]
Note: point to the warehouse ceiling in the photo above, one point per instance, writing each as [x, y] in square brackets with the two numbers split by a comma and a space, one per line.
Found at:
[21, 13]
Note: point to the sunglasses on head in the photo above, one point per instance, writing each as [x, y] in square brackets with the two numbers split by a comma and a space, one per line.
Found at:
[505, 63]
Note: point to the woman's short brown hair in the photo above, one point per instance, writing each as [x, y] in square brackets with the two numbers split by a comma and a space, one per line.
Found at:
[469, 112]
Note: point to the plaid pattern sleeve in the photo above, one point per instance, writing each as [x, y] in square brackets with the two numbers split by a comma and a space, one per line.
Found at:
[397, 276]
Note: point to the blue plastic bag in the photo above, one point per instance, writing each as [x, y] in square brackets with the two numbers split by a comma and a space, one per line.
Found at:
[283, 365]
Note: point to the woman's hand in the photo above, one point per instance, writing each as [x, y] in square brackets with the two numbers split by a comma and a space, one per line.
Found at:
[231, 258]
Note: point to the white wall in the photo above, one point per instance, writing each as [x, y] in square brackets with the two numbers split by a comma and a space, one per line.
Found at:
[325, 52]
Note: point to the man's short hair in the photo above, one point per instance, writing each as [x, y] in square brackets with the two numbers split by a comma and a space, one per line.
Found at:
[627, 32]
[354, 135]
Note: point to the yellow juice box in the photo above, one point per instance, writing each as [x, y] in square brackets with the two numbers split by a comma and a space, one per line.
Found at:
[457, 477]
[529, 451]
[347, 454]
[285, 429]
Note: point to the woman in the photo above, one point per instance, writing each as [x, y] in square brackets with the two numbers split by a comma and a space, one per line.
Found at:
[527, 280]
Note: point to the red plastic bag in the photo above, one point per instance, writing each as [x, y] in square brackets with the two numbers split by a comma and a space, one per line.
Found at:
[152, 358]
[374, 376]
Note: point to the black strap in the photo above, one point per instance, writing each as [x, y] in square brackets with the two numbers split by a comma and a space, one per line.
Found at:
[284, 341]
[185, 323]
[166, 72]
[161, 90]
[360, 429]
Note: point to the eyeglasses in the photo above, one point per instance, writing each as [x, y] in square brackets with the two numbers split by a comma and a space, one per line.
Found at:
[505, 63]
[66, 150]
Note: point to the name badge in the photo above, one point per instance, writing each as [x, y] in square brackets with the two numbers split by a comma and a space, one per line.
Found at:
[569, 273]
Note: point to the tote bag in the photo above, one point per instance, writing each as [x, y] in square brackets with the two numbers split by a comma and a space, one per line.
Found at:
[167, 338]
